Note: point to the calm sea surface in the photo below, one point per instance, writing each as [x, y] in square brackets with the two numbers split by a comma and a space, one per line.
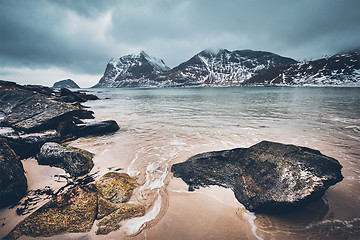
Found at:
[160, 127]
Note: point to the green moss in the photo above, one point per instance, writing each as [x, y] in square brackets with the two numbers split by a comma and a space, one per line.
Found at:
[112, 222]
[77, 209]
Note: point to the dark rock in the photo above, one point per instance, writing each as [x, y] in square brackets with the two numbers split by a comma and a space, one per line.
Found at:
[28, 145]
[78, 208]
[7, 85]
[13, 183]
[33, 112]
[96, 128]
[39, 89]
[267, 177]
[74, 161]
[67, 83]
[69, 96]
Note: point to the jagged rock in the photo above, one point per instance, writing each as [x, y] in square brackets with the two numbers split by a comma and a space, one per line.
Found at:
[74, 161]
[13, 183]
[266, 177]
[32, 112]
[96, 128]
[78, 208]
[28, 145]
[67, 83]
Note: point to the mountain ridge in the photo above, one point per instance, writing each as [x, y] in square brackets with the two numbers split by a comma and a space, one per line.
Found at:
[223, 68]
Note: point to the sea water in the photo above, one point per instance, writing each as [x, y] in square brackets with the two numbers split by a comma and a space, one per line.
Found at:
[160, 127]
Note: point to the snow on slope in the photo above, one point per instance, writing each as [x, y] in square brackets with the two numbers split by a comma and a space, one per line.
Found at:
[339, 69]
[223, 68]
[130, 69]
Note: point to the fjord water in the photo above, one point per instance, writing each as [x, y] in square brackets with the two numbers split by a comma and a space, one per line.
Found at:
[160, 127]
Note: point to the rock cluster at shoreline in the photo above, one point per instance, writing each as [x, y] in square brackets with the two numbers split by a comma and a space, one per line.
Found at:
[267, 177]
[79, 207]
[39, 120]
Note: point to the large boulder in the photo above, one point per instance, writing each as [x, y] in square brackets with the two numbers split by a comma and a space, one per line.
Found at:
[78, 208]
[73, 160]
[13, 183]
[267, 177]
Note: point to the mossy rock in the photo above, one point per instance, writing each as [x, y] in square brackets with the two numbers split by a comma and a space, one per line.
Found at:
[112, 221]
[78, 208]
[116, 187]
[74, 211]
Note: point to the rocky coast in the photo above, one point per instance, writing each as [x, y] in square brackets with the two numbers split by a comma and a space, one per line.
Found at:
[95, 197]
[39, 122]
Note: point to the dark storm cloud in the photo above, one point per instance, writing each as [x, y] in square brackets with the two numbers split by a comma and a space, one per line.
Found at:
[81, 36]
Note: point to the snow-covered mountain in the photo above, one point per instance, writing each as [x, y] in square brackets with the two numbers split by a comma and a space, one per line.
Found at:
[132, 70]
[207, 68]
[223, 67]
[339, 69]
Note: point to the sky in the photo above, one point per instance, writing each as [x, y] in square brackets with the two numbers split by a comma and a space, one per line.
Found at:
[44, 41]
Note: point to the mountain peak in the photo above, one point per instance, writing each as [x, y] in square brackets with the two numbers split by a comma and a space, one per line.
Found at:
[210, 67]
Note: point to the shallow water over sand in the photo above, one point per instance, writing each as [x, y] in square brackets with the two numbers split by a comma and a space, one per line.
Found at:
[160, 127]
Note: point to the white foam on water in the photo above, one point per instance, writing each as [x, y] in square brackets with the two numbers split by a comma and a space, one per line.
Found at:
[132, 226]
[250, 216]
[130, 171]
[155, 177]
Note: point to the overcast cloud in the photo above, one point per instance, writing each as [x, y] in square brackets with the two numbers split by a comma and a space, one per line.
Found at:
[43, 41]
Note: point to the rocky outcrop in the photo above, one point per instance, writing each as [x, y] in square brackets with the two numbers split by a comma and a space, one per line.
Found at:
[33, 112]
[74, 161]
[13, 183]
[67, 83]
[267, 177]
[78, 208]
